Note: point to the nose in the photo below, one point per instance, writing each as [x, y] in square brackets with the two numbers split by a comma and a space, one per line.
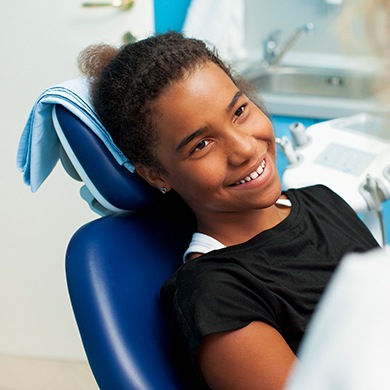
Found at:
[240, 147]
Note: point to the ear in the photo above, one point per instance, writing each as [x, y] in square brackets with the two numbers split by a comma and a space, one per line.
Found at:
[153, 176]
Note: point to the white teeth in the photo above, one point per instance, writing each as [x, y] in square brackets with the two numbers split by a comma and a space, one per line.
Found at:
[253, 175]
[260, 170]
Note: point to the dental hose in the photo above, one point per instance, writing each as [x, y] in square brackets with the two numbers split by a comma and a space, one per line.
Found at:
[372, 187]
[287, 148]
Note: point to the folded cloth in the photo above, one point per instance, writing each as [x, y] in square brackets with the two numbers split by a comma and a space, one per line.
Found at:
[39, 146]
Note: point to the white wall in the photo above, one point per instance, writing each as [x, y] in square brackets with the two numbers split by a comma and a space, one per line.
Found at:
[263, 17]
[40, 41]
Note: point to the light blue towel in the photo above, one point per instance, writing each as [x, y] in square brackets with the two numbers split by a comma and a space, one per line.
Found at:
[39, 147]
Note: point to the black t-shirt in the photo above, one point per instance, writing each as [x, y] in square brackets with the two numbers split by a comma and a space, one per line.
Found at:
[276, 277]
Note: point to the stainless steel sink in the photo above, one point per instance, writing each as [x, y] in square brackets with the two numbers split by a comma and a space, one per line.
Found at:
[314, 82]
[314, 92]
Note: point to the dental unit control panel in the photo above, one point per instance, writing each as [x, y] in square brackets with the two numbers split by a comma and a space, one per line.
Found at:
[350, 155]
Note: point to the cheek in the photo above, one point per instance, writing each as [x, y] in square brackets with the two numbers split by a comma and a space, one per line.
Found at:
[262, 121]
[266, 128]
[201, 177]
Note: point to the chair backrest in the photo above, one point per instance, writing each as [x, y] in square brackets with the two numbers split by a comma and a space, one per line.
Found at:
[116, 265]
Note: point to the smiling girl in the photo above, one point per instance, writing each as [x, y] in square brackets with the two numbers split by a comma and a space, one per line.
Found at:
[260, 258]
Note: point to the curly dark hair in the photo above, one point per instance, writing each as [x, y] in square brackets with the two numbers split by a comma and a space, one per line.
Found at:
[126, 81]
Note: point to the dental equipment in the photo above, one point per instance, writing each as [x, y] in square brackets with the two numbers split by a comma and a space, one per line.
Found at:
[287, 148]
[298, 132]
[350, 155]
[374, 192]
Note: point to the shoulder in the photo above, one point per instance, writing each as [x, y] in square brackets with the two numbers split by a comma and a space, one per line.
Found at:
[191, 275]
[319, 194]
[314, 190]
[224, 275]
[221, 291]
[205, 274]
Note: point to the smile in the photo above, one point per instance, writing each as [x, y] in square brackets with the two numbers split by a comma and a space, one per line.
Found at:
[252, 176]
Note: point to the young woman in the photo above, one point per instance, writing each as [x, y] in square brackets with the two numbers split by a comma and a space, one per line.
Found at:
[261, 259]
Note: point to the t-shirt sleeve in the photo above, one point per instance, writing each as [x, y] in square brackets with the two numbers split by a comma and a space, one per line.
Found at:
[213, 298]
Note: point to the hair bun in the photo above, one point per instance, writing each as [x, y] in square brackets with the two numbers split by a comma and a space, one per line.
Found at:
[94, 58]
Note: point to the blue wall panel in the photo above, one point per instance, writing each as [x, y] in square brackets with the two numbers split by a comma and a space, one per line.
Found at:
[170, 14]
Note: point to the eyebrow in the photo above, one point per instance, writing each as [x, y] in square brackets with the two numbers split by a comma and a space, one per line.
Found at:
[188, 139]
[198, 132]
[234, 100]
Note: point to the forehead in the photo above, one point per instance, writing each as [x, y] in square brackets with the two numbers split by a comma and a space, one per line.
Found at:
[206, 84]
[195, 102]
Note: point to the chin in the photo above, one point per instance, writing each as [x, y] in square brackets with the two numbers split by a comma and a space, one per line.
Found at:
[272, 194]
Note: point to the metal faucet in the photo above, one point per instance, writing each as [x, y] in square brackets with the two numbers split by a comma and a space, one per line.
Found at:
[273, 53]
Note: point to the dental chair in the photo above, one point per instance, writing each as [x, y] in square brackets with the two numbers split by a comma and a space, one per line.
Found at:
[116, 264]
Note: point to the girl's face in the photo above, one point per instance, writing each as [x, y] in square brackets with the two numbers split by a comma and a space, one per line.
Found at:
[217, 147]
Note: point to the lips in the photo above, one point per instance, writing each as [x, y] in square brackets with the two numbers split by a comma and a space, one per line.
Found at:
[253, 175]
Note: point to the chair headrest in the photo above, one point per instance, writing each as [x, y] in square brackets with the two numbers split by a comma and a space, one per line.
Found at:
[111, 185]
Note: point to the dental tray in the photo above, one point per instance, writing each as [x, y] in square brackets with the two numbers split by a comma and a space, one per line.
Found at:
[340, 153]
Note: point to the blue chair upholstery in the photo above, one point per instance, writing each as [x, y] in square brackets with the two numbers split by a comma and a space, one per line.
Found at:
[86, 156]
[115, 267]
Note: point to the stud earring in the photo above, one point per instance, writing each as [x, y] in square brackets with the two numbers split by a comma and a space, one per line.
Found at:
[163, 190]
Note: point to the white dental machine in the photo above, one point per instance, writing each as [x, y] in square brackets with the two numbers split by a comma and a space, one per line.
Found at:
[350, 155]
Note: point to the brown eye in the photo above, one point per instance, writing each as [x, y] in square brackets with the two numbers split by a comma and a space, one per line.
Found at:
[201, 145]
[239, 112]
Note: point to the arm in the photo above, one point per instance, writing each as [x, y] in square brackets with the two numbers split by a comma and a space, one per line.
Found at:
[254, 357]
